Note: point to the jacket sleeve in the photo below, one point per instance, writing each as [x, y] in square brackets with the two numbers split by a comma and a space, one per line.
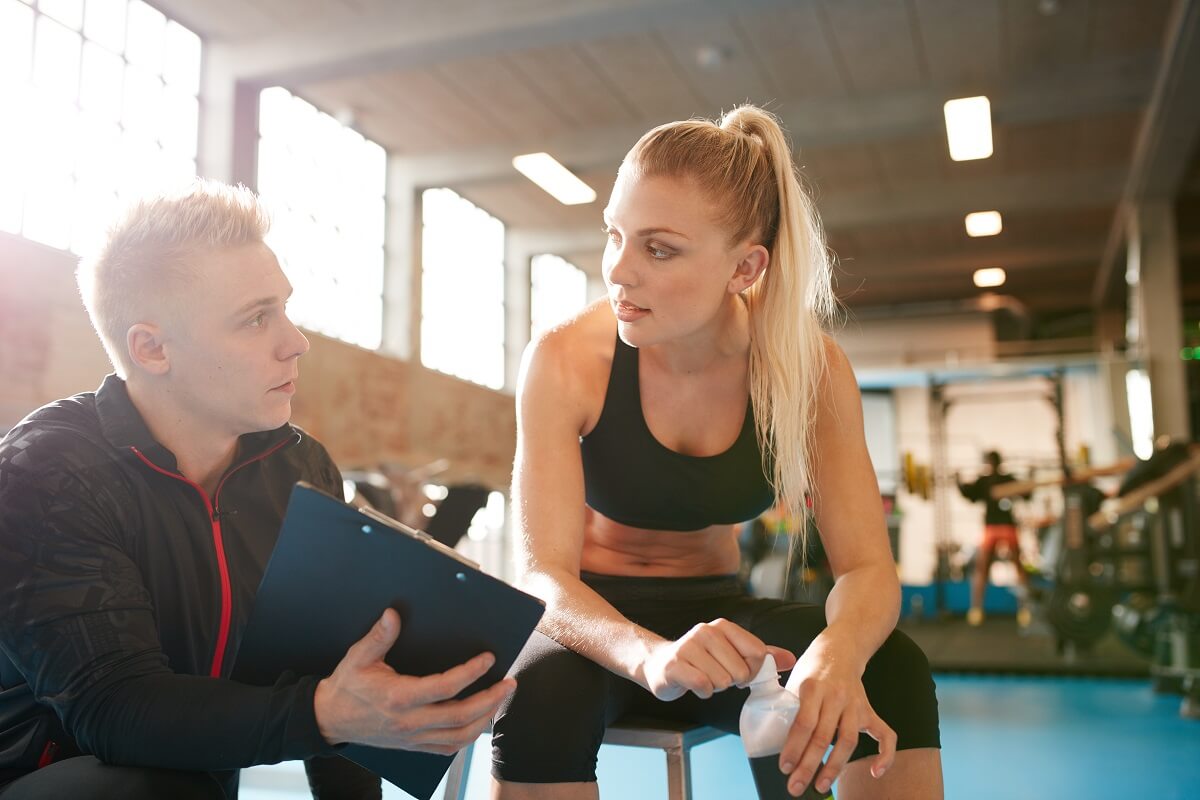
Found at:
[973, 491]
[77, 622]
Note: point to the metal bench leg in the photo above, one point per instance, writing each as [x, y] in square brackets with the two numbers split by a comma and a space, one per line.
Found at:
[456, 777]
[679, 777]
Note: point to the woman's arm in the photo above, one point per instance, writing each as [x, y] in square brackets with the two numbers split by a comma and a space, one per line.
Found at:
[549, 507]
[864, 605]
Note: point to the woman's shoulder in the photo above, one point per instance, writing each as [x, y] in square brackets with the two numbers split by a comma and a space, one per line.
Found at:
[577, 337]
[576, 353]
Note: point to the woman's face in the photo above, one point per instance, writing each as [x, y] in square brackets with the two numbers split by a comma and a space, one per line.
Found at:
[668, 265]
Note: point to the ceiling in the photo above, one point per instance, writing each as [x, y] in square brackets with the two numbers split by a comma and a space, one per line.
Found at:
[455, 88]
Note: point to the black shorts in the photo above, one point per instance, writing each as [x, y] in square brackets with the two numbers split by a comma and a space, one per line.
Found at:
[550, 730]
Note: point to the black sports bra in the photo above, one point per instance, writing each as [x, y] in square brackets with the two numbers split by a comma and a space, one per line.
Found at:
[632, 478]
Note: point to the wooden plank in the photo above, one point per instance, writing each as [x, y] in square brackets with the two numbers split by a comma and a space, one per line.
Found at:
[640, 66]
[732, 79]
[878, 44]
[962, 42]
[795, 51]
[1040, 44]
[568, 77]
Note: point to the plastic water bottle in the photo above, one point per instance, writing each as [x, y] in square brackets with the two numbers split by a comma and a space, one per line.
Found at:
[766, 719]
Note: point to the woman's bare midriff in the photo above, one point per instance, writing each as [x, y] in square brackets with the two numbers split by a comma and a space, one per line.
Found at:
[610, 548]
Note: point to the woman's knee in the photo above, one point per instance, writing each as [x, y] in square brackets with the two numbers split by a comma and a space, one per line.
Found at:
[900, 688]
[550, 729]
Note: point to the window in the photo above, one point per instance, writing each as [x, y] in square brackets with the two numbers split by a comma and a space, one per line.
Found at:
[558, 290]
[101, 104]
[325, 185]
[1141, 412]
[462, 289]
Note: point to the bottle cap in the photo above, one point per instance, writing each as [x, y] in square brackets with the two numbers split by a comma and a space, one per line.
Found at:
[767, 672]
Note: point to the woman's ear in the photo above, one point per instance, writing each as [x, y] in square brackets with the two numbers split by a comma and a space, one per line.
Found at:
[750, 267]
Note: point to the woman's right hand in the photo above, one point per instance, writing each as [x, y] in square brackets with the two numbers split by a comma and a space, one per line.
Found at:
[709, 658]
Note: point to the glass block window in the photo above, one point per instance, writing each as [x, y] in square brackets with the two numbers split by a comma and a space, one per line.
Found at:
[462, 289]
[558, 289]
[325, 185]
[101, 104]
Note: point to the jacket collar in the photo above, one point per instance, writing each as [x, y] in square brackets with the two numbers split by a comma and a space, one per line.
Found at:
[124, 428]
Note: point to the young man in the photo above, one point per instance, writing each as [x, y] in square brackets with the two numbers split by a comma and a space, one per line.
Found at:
[135, 525]
[999, 530]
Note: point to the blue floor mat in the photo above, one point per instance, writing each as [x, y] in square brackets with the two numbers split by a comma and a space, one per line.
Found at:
[1003, 738]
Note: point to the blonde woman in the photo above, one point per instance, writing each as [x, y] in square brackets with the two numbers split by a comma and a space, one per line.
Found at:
[699, 391]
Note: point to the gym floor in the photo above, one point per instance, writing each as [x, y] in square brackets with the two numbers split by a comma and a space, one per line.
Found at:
[1004, 738]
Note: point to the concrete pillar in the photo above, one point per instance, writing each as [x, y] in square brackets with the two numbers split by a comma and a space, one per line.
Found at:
[402, 264]
[519, 251]
[228, 142]
[1156, 317]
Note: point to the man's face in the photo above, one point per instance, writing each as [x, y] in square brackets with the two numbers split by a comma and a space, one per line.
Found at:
[233, 352]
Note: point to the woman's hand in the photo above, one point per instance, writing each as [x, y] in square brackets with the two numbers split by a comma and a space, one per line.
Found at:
[833, 706]
[709, 658]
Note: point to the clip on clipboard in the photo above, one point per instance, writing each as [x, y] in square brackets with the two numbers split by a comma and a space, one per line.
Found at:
[333, 572]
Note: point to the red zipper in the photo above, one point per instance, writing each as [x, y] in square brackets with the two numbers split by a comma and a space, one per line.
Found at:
[49, 752]
[218, 545]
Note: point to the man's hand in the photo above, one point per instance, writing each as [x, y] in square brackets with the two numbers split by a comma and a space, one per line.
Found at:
[366, 702]
[709, 658]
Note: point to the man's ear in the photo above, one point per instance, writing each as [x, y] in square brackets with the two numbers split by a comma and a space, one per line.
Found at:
[147, 348]
[750, 268]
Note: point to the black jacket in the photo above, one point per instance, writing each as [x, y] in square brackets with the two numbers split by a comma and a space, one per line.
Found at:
[124, 589]
[996, 512]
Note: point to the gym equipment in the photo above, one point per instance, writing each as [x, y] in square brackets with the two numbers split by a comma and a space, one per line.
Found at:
[1079, 474]
[676, 739]
[1146, 544]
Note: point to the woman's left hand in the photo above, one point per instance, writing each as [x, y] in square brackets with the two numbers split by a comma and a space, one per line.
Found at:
[833, 710]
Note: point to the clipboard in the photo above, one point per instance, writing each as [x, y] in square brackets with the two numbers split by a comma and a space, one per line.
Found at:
[334, 570]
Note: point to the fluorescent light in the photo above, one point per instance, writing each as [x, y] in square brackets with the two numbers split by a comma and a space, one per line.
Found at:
[566, 188]
[987, 278]
[969, 128]
[984, 223]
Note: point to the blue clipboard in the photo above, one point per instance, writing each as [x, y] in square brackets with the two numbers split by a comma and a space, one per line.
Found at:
[334, 570]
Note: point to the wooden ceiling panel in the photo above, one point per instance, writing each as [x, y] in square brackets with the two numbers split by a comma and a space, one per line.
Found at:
[914, 160]
[1107, 139]
[961, 42]
[640, 66]
[834, 170]
[795, 50]
[520, 203]
[1070, 143]
[465, 81]
[1191, 183]
[434, 99]
[719, 61]
[502, 93]
[893, 240]
[1038, 289]
[385, 116]
[1039, 44]
[568, 78]
[878, 45]
[298, 14]
[1121, 26]
[515, 203]
[940, 235]
[400, 130]
[1042, 227]
[1038, 148]
[229, 20]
